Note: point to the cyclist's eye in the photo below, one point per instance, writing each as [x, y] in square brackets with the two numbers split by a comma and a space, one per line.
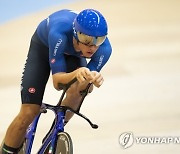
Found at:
[87, 42]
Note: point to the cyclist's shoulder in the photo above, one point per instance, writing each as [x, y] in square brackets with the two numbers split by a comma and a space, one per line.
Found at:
[106, 47]
[61, 22]
[62, 12]
[62, 16]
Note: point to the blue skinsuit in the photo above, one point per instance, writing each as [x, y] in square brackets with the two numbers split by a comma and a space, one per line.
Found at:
[56, 32]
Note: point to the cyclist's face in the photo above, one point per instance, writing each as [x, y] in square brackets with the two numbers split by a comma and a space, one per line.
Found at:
[87, 50]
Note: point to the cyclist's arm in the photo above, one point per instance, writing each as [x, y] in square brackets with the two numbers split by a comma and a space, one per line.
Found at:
[97, 62]
[101, 57]
[81, 74]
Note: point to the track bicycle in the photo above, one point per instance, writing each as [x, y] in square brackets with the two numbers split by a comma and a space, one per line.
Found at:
[56, 141]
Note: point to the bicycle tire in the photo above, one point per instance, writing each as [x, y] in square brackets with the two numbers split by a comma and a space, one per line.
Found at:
[64, 144]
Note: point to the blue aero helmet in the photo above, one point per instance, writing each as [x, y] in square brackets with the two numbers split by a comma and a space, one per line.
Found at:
[90, 27]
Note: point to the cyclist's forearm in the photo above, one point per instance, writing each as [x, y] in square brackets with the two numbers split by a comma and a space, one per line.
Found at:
[63, 78]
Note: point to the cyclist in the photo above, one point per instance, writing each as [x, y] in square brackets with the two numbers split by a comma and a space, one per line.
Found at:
[61, 44]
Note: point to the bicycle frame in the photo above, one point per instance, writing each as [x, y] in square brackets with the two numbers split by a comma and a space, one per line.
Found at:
[52, 137]
[58, 127]
[59, 111]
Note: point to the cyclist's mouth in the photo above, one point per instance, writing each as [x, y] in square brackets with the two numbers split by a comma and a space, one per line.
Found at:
[90, 53]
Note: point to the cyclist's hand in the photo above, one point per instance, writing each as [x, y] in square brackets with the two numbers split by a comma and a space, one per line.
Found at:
[83, 74]
[97, 79]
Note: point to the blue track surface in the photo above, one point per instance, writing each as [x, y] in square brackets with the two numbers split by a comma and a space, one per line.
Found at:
[11, 9]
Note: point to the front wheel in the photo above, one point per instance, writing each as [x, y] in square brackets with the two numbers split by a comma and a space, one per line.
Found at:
[64, 144]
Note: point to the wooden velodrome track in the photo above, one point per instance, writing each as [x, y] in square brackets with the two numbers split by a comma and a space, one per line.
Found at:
[142, 79]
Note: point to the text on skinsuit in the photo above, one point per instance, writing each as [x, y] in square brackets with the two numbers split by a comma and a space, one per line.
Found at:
[57, 46]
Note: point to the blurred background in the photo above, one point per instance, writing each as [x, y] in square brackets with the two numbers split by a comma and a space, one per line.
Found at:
[141, 92]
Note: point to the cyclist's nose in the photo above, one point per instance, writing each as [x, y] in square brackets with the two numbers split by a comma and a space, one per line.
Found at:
[93, 47]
